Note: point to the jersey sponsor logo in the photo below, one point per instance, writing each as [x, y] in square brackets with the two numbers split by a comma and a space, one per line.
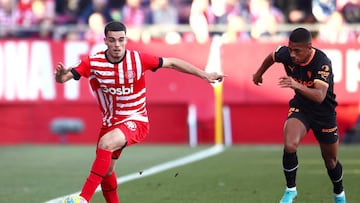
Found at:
[306, 83]
[123, 90]
[293, 110]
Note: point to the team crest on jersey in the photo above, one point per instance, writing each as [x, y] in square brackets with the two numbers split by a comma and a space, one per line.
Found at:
[130, 75]
[309, 73]
[131, 125]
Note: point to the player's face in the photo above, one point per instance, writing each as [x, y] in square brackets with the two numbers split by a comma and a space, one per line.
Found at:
[299, 52]
[116, 43]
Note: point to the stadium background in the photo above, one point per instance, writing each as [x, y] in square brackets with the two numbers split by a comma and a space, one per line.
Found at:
[30, 99]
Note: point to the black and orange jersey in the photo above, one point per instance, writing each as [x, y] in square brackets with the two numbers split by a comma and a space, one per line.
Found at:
[319, 68]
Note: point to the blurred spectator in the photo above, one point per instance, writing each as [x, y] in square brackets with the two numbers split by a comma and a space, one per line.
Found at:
[183, 8]
[100, 7]
[296, 11]
[116, 3]
[133, 15]
[163, 14]
[265, 18]
[340, 4]
[335, 30]
[237, 24]
[7, 18]
[67, 11]
[25, 18]
[44, 11]
[322, 9]
[198, 20]
[30, 13]
[216, 12]
[96, 6]
[228, 18]
[46, 27]
[95, 33]
[234, 31]
[351, 11]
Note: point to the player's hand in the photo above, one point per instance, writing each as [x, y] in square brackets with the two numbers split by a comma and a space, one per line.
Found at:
[257, 79]
[59, 72]
[215, 77]
[286, 81]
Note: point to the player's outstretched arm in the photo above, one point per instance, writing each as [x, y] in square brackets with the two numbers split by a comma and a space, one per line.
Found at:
[257, 76]
[62, 74]
[185, 67]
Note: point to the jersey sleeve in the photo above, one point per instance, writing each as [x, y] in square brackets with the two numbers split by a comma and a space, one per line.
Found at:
[281, 54]
[82, 68]
[150, 62]
[323, 72]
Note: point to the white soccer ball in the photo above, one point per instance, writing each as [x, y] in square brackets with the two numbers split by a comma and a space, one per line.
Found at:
[74, 199]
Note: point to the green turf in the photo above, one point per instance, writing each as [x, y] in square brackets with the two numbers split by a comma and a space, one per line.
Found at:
[241, 174]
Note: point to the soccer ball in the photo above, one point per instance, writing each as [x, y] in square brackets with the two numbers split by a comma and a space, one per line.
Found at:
[74, 199]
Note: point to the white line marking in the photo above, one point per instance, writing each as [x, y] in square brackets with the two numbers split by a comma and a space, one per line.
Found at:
[212, 151]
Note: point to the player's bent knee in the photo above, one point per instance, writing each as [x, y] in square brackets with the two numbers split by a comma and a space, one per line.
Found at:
[111, 144]
[112, 140]
[105, 146]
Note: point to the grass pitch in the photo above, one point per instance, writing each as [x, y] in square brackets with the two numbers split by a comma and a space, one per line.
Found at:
[240, 174]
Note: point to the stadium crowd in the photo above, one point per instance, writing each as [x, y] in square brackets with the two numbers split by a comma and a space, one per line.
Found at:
[180, 20]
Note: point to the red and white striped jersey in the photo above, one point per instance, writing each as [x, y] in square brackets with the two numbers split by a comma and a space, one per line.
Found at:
[118, 87]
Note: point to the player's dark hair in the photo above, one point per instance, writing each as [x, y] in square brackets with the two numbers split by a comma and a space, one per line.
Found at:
[300, 35]
[114, 26]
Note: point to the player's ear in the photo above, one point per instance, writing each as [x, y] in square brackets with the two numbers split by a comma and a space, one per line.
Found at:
[309, 45]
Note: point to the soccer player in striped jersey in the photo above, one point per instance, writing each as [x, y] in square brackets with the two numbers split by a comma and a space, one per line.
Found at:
[309, 74]
[116, 77]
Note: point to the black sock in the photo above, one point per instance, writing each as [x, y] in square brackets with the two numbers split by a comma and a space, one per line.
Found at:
[336, 177]
[290, 165]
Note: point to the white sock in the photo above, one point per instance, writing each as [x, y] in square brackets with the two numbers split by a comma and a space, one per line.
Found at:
[341, 194]
[291, 189]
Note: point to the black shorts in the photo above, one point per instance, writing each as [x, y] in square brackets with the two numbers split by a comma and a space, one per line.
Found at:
[325, 128]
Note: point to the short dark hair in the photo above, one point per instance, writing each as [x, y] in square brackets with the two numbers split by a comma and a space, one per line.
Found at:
[300, 35]
[114, 26]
